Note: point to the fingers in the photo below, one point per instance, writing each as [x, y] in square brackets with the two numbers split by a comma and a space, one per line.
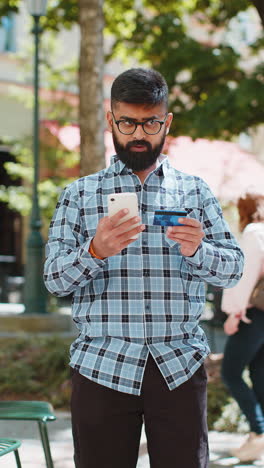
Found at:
[115, 219]
[189, 236]
[231, 325]
[128, 235]
[120, 228]
[192, 227]
[245, 319]
[186, 236]
[113, 235]
[189, 222]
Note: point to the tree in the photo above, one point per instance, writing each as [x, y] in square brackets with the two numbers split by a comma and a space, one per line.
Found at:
[91, 72]
[212, 93]
[89, 15]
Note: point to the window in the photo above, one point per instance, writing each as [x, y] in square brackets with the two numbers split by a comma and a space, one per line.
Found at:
[7, 33]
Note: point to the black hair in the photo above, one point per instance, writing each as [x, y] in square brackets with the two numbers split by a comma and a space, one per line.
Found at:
[140, 86]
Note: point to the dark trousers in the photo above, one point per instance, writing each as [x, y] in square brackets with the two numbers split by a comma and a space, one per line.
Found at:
[107, 424]
[246, 349]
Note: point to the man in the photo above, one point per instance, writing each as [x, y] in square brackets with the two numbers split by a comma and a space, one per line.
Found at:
[140, 351]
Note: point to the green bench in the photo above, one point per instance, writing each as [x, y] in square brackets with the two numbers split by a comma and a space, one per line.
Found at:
[39, 411]
[10, 445]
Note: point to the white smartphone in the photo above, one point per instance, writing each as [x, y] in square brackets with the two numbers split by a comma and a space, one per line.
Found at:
[119, 201]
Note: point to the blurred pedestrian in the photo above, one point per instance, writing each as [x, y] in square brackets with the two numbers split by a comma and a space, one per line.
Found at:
[245, 327]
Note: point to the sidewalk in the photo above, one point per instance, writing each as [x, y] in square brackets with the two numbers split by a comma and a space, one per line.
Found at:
[32, 456]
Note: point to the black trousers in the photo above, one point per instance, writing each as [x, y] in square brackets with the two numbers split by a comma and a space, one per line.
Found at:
[246, 348]
[107, 424]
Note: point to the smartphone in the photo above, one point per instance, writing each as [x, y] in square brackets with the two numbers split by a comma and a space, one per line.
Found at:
[119, 201]
[168, 217]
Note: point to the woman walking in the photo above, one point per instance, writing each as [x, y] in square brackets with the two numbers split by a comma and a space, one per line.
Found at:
[245, 327]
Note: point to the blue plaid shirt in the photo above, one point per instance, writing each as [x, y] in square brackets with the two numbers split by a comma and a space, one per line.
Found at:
[148, 298]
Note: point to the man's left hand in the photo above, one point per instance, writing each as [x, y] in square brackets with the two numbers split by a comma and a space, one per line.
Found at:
[189, 236]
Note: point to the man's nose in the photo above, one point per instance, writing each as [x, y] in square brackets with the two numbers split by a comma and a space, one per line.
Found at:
[139, 133]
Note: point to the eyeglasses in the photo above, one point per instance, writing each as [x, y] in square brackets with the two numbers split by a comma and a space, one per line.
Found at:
[129, 126]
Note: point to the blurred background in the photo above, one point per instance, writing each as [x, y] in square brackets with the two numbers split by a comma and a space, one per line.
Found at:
[57, 62]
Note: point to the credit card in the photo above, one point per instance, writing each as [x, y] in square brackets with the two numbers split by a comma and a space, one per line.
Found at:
[168, 217]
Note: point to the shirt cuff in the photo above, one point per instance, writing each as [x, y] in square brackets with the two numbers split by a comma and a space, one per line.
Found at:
[196, 259]
[87, 259]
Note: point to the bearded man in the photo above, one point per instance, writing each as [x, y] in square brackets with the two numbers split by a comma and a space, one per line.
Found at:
[137, 301]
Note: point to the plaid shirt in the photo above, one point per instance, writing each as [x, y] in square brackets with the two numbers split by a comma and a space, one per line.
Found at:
[147, 298]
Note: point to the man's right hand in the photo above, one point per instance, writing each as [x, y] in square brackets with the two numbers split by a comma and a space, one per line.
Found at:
[110, 239]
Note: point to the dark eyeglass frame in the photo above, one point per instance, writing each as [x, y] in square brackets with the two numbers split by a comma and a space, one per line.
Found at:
[161, 122]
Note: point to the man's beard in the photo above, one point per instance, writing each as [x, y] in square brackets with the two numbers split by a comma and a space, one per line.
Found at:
[138, 160]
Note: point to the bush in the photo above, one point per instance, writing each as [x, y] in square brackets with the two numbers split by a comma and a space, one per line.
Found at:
[218, 397]
[38, 368]
[231, 419]
[224, 413]
[35, 368]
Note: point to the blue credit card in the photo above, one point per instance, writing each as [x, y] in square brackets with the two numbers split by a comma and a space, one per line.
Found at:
[168, 217]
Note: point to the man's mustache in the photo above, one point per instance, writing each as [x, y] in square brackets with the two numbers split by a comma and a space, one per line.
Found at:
[130, 144]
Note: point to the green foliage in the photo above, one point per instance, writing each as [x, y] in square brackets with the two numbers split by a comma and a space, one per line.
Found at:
[18, 197]
[213, 94]
[217, 398]
[224, 413]
[231, 419]
[35, 368]
[9, 6]
[219, 12]
[38, 368]
[60, 13]
[55, 159]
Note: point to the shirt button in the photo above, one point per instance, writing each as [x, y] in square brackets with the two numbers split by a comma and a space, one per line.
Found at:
[147, 307]
[145, 242]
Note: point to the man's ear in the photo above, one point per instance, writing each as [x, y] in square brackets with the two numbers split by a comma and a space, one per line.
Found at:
[109, 118]
[168, 122]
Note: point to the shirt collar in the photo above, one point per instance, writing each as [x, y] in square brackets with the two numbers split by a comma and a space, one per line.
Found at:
[120, 168]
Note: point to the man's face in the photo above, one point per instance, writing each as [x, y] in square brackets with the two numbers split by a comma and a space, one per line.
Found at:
[138, 151]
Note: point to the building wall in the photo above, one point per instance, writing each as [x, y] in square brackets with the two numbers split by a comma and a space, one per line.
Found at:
[15, 119]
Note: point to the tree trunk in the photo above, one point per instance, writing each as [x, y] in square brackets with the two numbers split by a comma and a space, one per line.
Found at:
[91, 72]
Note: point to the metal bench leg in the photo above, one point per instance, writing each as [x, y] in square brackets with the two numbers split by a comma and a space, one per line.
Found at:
[45, 443]
[17, 459]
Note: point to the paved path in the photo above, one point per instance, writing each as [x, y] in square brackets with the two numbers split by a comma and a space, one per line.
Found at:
[31, 453]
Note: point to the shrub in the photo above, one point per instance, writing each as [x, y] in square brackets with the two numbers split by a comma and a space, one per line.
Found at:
[35, 368]
[218, 397]
[38, 368]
